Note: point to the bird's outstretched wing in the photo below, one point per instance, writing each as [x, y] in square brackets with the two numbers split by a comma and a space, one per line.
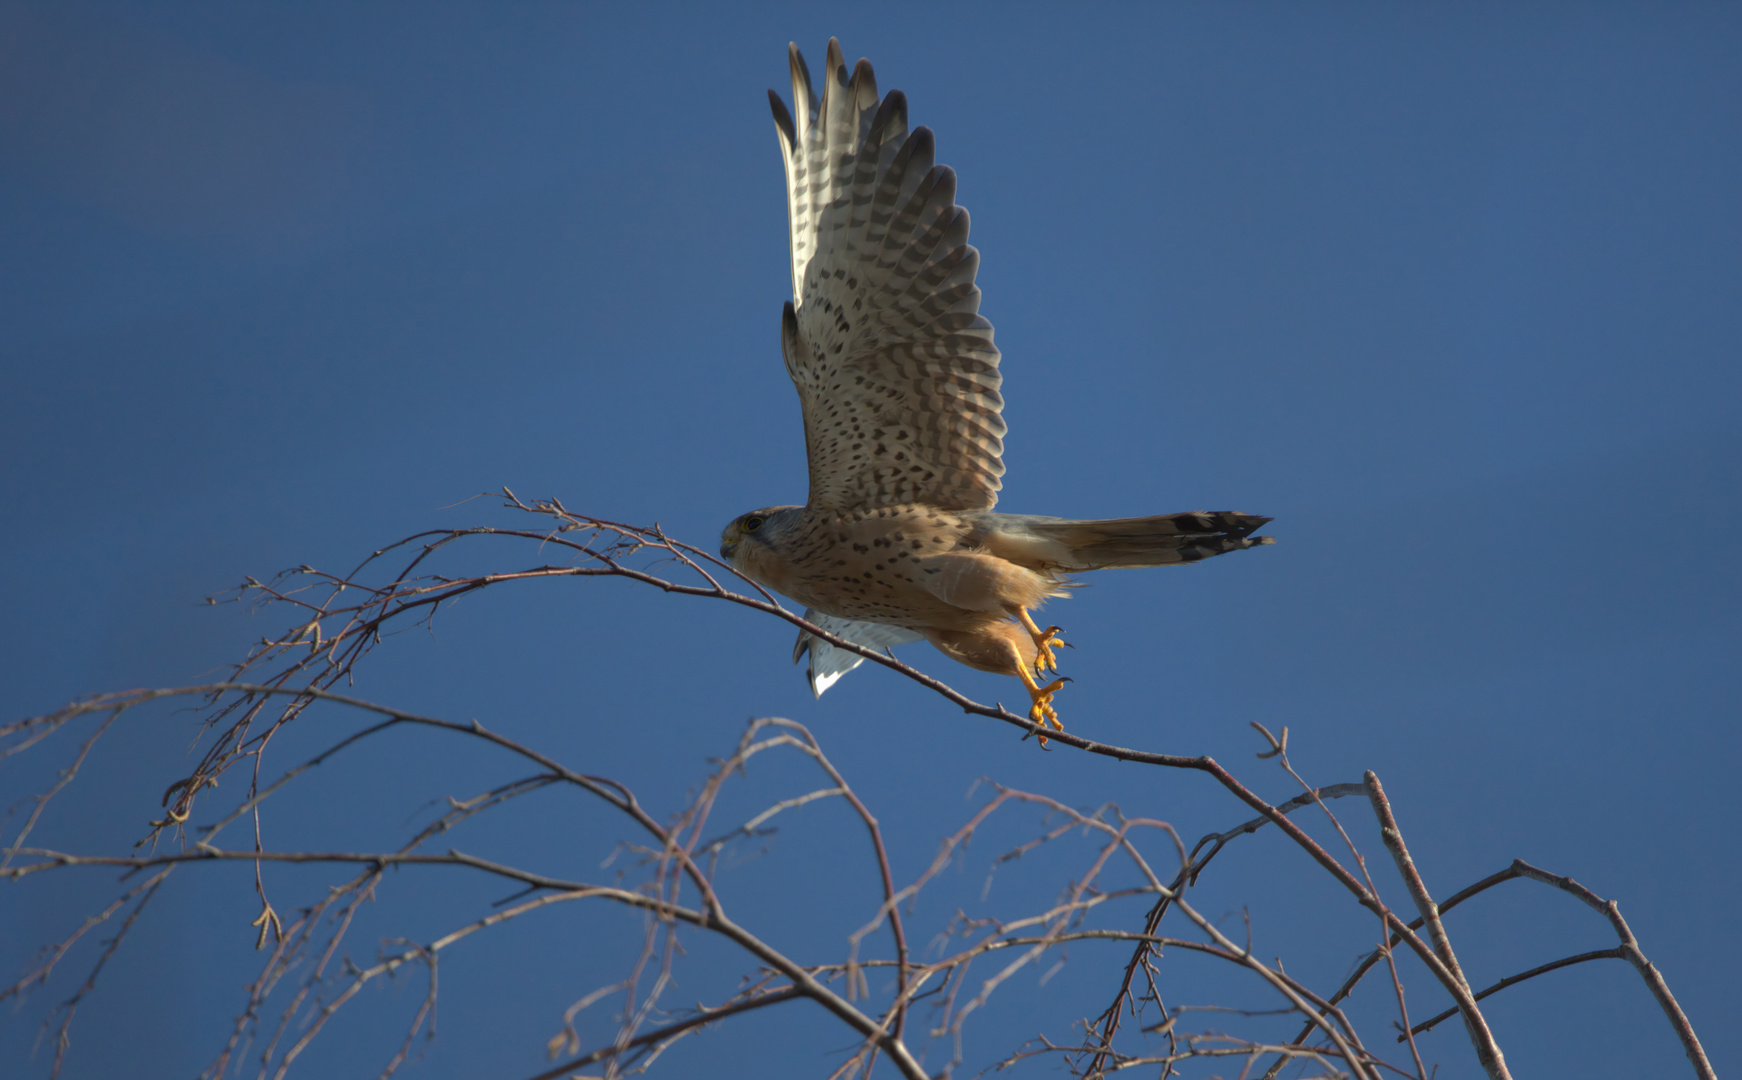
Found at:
[827, 663]
[896, 371]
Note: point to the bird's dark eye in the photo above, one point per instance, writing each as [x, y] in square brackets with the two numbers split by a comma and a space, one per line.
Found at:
[752, 523]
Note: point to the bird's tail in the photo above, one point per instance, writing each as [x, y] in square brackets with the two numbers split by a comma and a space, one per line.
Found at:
[1146, 541]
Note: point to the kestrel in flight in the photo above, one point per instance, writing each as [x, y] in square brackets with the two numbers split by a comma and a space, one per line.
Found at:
[898, 380]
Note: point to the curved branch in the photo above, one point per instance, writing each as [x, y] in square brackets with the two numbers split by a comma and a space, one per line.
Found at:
[1510, 980]
[1630, 949]
[671, 1031]
[612, 549]
[1107, 1024]
[1476, 1025]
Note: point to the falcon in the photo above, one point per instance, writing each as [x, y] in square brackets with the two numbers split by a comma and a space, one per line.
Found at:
[899, 385]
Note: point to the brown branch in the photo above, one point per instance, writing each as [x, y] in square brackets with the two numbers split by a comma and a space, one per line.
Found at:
[1630, 949]
[70, 1007]
[702, 1018]
[57, 952]
[425, 1011]
[609, 790]
[1107, 1024]
[1510, 980]
[1299, 997]
[1376, 955]
[1240, 1048]
[711, 917]
[331, 637]
[1487, 1050]
[604, 789]
[49, 860]
[1279, 750]
[616, 541]
[715, 921]
[897, 932]
[627, 540]
[66, 777]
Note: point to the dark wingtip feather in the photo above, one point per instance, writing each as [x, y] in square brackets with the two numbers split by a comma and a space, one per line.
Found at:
[783, 118]
[881, 119]
[896, 103]
[836, 63]
[801, 74]
[891, 112]
[861, 88]
[946, 179]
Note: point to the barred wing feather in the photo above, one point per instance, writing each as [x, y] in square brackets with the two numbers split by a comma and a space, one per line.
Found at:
[896, 372]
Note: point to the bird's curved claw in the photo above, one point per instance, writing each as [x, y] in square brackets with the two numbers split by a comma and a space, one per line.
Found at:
[1044, 642]
[1041, 713]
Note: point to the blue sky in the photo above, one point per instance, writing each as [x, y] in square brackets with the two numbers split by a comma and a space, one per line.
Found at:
[1449, 291]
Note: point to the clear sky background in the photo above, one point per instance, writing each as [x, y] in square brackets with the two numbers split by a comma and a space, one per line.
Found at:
[1453, 292]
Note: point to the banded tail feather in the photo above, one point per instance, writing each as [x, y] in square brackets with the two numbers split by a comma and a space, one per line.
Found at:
[1163, 540]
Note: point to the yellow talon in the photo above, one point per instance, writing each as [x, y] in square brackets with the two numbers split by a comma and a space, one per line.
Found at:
[1044, 640]
[1044, 660]
[1041, 712]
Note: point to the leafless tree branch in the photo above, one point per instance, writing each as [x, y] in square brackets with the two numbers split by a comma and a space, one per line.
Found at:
[339, 619]
[1631, 951]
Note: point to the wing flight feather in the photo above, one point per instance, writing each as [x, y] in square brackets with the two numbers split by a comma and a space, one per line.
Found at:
[896, 372]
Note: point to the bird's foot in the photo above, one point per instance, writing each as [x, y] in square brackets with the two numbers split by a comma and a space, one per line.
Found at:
[1041, 712]
[1044, 659]
[1044, 640]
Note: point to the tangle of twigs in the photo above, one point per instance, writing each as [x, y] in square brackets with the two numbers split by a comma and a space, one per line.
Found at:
[306, 978]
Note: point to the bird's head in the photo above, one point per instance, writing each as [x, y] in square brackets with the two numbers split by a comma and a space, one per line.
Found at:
[757, 533]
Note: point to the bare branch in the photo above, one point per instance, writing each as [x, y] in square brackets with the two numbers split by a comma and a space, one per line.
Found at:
[339, 619]
[1630, 949]
[701, 1018]
[1511, 980]
[1487, 1050]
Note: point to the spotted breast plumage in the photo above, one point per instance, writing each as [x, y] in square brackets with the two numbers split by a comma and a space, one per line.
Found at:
[899, 386]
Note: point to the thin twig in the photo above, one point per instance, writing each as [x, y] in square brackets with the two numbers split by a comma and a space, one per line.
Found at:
[1512, 980]
[1487, 1050]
